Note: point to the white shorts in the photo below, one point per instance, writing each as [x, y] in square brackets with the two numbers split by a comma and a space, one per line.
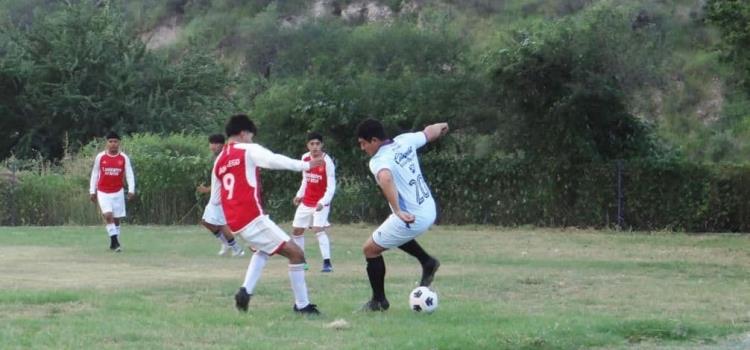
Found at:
[112, 203]
[214, 215]
[394, 232]
[264, 235]
[306, 217]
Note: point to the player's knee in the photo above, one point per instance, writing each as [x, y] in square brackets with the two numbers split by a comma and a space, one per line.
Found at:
[208, 226]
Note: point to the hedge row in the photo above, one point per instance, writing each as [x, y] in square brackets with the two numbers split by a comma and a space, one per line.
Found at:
[656, 194]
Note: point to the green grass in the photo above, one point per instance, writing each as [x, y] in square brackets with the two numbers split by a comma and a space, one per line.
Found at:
[499, 289]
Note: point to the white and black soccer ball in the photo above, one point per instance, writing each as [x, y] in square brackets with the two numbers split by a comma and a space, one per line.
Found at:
[422, 299]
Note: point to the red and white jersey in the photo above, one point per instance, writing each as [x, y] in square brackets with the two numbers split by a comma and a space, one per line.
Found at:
[108, 172]
[319, 183]
[235, 180]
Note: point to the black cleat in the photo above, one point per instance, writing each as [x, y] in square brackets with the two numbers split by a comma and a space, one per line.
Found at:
[310, 309]
[242, 299]
[114, 244]
[428, 272]
[376, 305]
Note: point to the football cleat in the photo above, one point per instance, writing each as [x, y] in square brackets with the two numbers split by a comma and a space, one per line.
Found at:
[242, 299]
[238, 252]
[376, 305]
[224, 250]
[428, 272]
[310, 309]
[327, 267]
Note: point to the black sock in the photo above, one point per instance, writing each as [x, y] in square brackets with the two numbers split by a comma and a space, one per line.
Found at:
[376, 274]
[113, 241]
[414, 249]
[230, 242]
[327, 261]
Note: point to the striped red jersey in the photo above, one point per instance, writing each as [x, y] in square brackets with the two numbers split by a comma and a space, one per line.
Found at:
[319, 183]
[240, 187]
[235, 180]
[109, 171]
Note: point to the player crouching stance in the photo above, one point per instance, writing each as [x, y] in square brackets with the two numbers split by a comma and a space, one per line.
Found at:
[396, 169]
[235, 184]
[106, 186]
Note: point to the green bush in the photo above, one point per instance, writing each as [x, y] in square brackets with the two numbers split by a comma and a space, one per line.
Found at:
[658, 193]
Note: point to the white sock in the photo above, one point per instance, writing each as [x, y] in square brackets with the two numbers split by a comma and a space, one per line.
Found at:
[235, 247]
[117, 228]
[254, 270]
[220, 237]
[299, 286]
[325, 244]
[111, 230]
[299, 241]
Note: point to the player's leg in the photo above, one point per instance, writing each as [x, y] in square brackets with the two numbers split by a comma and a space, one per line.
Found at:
[219, 236]
[296, 257]
[105, 205]
[320, 224]
[376, 275]
[303, 217]
[118, 212]
[429, 264]
[212, 221]
[252, 275]
[267, 237]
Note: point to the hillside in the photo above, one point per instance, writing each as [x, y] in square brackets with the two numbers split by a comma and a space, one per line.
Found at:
[689, 96]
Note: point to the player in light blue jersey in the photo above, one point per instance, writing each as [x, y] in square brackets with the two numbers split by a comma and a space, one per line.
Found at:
[395, 165]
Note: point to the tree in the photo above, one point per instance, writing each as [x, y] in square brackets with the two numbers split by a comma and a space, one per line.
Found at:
[732, 18]
[78, 71]
[563, 88]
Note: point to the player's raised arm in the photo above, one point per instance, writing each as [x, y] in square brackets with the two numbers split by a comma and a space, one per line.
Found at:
[435, 131]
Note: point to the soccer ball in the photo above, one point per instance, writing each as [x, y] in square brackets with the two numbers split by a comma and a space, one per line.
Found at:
[422, 299]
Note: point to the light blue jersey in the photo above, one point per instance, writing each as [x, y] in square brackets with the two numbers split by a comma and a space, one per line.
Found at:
[400, 157]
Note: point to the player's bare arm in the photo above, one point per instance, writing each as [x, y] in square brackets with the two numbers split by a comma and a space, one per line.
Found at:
[385, 181]
[435, 131]
[203, 189]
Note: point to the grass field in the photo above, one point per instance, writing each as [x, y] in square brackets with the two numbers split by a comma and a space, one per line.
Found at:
[60, 288]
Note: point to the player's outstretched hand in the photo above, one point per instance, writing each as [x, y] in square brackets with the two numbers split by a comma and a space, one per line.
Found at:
[316, 163]
[131, 195]
[405, 217]
[203, 189]
[296, 201]
[93, 197]
[444, 129]
[319, 208]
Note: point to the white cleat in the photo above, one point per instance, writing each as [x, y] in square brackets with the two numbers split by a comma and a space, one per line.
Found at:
[224, 250]
[238, 252]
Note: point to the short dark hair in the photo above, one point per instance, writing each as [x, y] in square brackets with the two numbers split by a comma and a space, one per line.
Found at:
[314, 136]
[239, 123]
[112, 135]
[370, 128]
[216, 138]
